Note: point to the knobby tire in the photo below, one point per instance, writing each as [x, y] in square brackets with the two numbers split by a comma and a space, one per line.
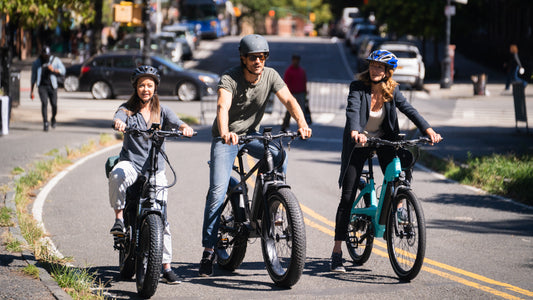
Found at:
[150, 255]
[284, 253]
[231, 246]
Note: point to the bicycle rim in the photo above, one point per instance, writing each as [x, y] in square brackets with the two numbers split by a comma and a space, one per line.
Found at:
[406, 240]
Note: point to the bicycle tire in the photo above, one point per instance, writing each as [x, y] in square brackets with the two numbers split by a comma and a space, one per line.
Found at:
[126, 260]
[149, 255]
[284, 254]
[360, 239]
[406, 241]
[232, 243]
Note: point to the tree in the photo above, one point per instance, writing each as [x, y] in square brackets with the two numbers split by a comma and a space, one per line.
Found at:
[258, 9]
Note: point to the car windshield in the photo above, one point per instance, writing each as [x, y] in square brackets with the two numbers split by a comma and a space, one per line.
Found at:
[405, 54]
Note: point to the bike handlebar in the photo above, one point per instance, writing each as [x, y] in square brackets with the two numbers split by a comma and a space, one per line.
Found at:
[377, 142]
[157, 132]
[267, 136]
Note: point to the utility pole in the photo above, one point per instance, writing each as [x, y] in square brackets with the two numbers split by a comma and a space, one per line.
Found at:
[146, 30]
[446, 76]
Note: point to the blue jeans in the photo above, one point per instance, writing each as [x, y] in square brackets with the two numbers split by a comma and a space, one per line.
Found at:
[220, 167]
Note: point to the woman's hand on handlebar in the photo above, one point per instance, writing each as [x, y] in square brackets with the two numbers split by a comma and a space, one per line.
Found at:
[359, 137]
[119, 125]
[230, 138]
[305, 132]
[435, 137]
[187, 130]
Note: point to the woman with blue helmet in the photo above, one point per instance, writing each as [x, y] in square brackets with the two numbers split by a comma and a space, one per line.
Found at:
[371, 111]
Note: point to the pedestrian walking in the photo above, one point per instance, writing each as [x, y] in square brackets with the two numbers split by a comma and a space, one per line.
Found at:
[296, 80]
[514, 68]
[371, 111]
[44, 73]
[242, 98]
[140, 111]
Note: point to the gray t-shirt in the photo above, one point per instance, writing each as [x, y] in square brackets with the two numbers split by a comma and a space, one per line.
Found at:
[135, 148]
[248, 100]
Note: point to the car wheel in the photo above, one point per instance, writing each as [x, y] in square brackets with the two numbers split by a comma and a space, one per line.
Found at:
[71, 83]
[101, 90]
[187, 91]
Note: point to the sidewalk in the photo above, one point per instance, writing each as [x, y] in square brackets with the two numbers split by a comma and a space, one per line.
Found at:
[479, 124]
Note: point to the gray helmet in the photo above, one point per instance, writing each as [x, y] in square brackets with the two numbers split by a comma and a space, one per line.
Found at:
[144, 71]
[253, 43]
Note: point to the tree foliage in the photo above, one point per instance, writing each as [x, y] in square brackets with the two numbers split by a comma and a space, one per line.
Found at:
[420, 18]
[260, 8]
[48, 13]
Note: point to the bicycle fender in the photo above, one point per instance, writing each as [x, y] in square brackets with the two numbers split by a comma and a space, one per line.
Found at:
[400, 188]
[274, 186]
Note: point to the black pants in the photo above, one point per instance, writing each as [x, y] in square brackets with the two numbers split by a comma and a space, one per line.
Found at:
[48, 92]
[350, 183]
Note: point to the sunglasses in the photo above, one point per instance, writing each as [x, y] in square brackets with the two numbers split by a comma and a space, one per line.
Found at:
[262, 57]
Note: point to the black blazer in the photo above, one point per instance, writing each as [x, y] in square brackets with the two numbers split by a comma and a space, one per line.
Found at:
[358, 111]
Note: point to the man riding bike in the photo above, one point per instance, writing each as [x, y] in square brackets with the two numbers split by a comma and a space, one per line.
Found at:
[242, 97]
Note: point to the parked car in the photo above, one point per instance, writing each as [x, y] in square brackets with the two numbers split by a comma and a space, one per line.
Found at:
[170, 41]
[411, 69]
[369, 44]
[70, 82]
[136, 41]
[107, 75]
[184, 32]
[360, 31]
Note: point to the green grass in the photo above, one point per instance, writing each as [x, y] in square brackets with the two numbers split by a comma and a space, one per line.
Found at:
[5, 217]
[78, 283]
[507, 175]
[31, 270]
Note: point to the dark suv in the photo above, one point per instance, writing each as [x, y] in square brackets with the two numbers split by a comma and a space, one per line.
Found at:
[108, 75]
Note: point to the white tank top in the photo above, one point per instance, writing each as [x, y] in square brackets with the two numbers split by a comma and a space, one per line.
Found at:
[373, 126]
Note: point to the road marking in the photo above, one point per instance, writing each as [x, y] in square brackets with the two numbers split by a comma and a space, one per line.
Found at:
[434, 263]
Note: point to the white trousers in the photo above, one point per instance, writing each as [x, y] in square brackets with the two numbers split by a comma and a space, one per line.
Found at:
[123, 176]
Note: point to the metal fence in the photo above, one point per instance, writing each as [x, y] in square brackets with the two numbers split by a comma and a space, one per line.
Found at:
[324, 97]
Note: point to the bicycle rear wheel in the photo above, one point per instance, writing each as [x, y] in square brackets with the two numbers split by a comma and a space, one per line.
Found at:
[232, 243]
[284, 242]
[360, 239]
[406, 236]
[150, 255]
[126, 257]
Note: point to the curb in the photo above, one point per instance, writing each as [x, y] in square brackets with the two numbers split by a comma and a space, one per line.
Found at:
[44, 276]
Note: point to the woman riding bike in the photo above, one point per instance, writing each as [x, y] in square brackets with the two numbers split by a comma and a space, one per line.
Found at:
[371, 111]
[140, 111]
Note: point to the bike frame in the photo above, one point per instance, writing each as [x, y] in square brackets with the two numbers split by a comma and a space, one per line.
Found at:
[267, 179]
[392, 174]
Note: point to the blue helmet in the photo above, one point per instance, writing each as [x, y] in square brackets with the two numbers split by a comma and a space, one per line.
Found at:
[384, 56]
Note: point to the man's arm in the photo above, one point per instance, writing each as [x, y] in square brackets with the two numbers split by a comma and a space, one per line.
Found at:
[285, 96]
[223, 106]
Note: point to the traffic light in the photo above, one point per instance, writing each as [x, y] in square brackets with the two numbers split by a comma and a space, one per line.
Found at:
[271, 13]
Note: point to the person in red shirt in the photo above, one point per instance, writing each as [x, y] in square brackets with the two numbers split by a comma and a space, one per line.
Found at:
[296, 81]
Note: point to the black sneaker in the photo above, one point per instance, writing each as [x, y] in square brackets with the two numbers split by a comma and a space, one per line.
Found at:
[53, 123]
[118, 227]
[170, 277]
[206, 264]
[336, 263]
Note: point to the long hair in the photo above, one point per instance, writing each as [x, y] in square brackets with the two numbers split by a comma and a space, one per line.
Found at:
[387, 86]
[133, 106]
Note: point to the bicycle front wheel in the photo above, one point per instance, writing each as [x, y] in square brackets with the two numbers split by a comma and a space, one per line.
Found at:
[150, 255]
[406, 235]
[284, 242]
